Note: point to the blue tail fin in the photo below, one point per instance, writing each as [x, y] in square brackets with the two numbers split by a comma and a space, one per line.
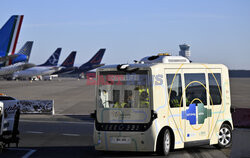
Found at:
[95, 60]
[69, 61]
[26, 49]
[9, 35]
[53, 59]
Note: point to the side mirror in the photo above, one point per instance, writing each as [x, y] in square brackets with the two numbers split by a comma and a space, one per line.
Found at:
[154, 115]
[232, 110]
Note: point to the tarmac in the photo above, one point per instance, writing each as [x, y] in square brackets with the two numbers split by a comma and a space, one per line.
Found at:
[71, 96]
[76, 97]
[68, 133]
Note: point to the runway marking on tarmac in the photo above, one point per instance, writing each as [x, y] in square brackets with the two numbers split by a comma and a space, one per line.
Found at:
[65, 122]
[35, 132]
[27, 155]
[74, 135]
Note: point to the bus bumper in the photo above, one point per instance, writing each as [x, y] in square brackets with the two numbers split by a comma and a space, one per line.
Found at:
[124, 141]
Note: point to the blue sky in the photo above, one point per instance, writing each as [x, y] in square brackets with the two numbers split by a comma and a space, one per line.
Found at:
[218, 31]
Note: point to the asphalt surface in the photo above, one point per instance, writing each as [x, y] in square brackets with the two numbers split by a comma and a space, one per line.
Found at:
[69, 132]
[71, 136]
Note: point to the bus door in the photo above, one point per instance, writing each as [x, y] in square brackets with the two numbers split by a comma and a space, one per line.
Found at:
[174, 80]
[215, 97]
[197, 113]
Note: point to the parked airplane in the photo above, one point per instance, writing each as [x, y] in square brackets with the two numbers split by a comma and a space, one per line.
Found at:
[19, 63]
[93, 63]
[24, 53]
[67, 65]
[9, 34]
[8, 70]
[49, 67]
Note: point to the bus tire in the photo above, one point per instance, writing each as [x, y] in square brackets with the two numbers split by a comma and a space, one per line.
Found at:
[166, 143]
[225, 136]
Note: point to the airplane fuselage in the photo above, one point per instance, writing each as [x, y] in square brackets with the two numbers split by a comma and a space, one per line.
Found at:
[8, 70]
[36, 71]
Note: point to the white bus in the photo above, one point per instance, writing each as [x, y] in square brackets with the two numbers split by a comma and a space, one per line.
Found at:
[162, 103]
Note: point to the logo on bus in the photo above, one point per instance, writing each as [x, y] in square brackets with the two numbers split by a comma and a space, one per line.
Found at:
[191, 115]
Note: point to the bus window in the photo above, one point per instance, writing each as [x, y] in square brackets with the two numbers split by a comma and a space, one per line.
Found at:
[174, 90]
[195, 85]
[116, 97]
[124, 90]
[143, 97]
[215, 88]
[128, 98]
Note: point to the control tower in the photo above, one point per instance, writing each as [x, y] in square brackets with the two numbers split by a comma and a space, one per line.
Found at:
[185, 52]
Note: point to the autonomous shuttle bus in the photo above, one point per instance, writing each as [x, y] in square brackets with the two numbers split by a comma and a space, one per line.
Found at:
[161, 103]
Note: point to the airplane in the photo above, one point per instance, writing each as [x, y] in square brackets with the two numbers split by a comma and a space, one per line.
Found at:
[19, 63]
[24, 53]
[47, 68]
[93, 63]
[9, 34]
[67, 65]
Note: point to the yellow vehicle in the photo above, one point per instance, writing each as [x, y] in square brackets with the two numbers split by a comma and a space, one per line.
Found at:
[183, 104]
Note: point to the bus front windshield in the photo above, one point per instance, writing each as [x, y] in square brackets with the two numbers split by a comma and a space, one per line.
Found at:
[123, 90]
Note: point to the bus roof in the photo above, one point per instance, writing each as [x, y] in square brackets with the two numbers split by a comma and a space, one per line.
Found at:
[164, 65]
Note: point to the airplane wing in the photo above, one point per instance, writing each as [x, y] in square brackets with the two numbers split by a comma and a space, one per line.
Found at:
[96, 66]
[28, 65]
[56, 68]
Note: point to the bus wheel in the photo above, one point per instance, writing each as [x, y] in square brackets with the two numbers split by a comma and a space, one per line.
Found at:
[166, 142]
[225, 136]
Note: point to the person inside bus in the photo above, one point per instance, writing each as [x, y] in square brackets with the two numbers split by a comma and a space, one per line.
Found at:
[100, 99]
[116, 99]
[128, 101]
[144, 98]
[117, 105]
[174, 102]
[104, 98]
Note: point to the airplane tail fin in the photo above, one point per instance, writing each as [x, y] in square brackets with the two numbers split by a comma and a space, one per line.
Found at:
[53, 59]
[26, 49]
[9, 34]
[95, 60]
[69, 61]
